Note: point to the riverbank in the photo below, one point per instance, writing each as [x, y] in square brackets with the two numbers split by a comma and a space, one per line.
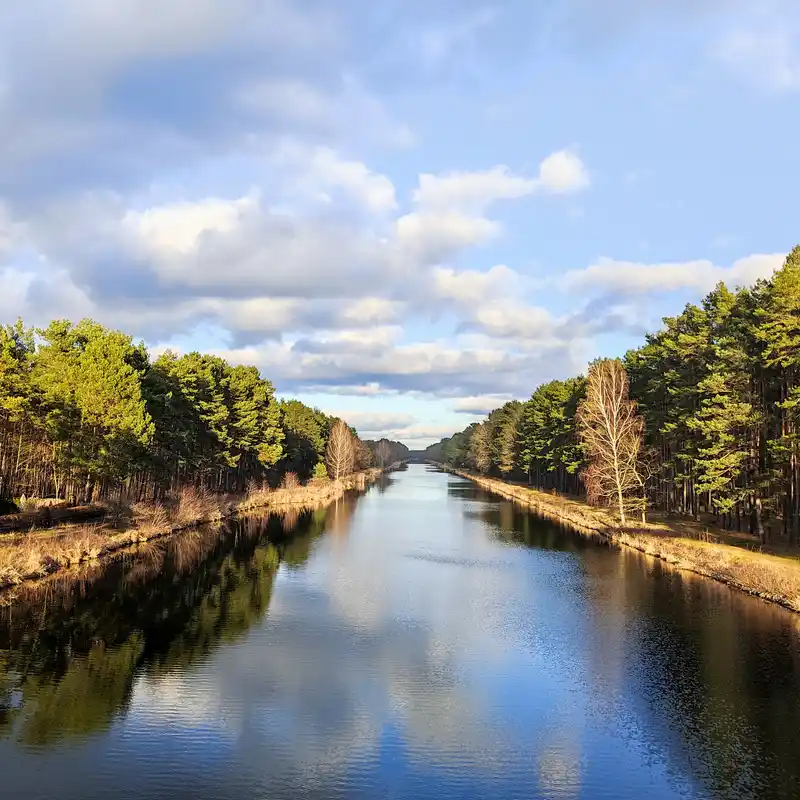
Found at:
[771, 577]
[39, 554]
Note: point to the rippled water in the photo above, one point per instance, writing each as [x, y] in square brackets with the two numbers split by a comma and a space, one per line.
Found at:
[425, 640]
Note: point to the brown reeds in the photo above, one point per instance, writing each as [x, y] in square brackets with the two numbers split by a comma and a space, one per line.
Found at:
[36, 554]
[290, 481]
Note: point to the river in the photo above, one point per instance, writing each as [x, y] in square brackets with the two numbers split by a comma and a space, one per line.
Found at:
[422, 640]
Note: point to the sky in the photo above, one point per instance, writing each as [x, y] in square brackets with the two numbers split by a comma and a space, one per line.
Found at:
[403, 212]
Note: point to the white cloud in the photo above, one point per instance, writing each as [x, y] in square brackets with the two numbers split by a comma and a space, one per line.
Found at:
[421, 435]
[470, 192]
[433, 237]
[318, 169]
[627, 277]
[374, 361]
[372, 311]
[368, 423]
[480, 405]
[563, 173]
[452, 206]
[239, 246]
[178, 227]
[14, 285]
[512, 319]
[471, 287]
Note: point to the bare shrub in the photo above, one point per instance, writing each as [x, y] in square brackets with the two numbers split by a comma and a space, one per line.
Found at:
[290, 481]
[194, 505]
[151, 518]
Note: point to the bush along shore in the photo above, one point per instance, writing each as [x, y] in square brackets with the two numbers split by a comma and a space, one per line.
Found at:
[37, 554]
[772, 578]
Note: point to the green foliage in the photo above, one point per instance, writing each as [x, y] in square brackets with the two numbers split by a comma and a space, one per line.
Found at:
[306, 435]
[84, 414]
[718, 388]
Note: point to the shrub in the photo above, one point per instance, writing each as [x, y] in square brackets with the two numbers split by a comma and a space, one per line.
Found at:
[290, 481]
[320, 472]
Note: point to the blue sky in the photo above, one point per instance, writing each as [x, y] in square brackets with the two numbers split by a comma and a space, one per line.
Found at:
[403, 212]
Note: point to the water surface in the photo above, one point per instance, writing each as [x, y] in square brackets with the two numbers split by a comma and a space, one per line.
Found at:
[425, 640]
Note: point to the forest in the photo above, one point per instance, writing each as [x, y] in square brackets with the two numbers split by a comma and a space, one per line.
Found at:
[86, 414]
[707, 416]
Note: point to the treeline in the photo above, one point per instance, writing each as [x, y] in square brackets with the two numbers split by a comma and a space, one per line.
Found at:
[385, 452]
[713, 425]
[85, 414]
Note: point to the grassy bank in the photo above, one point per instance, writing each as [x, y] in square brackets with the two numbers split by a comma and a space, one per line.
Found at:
[39, 553]
[714, 554]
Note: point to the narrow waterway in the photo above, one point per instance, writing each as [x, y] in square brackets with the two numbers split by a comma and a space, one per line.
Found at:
[424, 640]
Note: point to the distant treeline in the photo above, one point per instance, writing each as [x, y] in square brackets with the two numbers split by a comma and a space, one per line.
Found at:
[386, 452]
[85, 414]
[714, 424]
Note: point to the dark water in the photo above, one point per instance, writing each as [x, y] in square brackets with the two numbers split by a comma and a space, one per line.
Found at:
[422, 641]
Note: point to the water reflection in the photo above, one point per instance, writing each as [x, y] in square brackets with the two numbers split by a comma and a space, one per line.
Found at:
[69, 651]
[434, 642]
[716, 674]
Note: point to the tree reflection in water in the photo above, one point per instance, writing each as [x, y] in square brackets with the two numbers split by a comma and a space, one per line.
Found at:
[71, 647]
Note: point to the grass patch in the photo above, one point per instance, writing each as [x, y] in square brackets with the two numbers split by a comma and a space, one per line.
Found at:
[39, 553]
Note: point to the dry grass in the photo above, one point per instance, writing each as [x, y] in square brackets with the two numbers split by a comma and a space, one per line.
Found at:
[290, 481]
[36, 554]
[772, 577]
[196, 506]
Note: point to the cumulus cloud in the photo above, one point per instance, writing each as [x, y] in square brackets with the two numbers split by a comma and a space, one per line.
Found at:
[473, 287]
[434, 237]
[509, 319]
[394, 426]
[323, 168]
[378, 364]
[177, 228]
[372, 311]
[470, 191]
[452, 206]
[370, 423]
[631, 278]
[473, 192]
[231, 168]
[563, 173]
[480, 405]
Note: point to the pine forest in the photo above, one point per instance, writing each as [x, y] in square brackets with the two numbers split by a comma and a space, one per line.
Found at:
[85, 415]
[702, 419]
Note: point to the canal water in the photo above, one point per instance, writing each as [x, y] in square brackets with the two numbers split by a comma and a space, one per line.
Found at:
[423, 640]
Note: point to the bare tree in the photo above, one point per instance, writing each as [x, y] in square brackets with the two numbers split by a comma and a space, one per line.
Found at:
[340, 453]
[611, 433]
[384, 452]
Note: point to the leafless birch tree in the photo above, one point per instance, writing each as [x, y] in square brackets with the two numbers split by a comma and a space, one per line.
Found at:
[341, 451]
[611, 433]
